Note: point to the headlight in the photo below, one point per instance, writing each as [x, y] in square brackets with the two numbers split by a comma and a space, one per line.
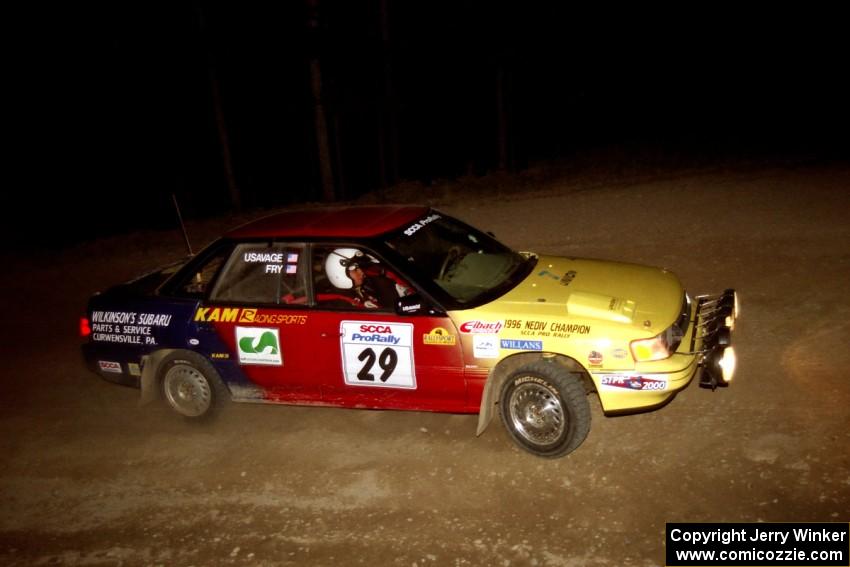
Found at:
[646, 350]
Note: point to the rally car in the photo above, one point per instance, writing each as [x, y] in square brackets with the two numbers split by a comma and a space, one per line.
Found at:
[405, 307]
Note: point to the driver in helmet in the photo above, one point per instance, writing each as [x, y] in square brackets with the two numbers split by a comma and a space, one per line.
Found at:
[372, 286]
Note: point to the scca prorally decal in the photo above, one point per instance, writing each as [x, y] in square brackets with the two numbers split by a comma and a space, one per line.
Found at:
[242, 315]
[513, 344]
[482, 327]
[375, 334]
[377, 354]
[411, 230]
[258, 345]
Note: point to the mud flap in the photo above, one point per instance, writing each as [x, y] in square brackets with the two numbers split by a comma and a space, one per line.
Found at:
[150, 369]
[485, 413]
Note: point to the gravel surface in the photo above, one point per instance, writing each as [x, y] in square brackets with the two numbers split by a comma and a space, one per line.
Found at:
[89, 478]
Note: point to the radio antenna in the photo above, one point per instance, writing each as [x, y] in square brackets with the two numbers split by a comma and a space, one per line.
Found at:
[182, 226]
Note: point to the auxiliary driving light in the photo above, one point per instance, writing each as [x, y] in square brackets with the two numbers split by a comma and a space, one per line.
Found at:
[727, 363]
[730, 303]
[719, 367]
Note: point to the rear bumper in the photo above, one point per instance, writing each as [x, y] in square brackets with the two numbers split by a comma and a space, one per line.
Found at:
[110, 368]
[711, 339]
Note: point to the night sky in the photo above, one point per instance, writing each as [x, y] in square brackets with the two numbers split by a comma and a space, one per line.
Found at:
[417, 91]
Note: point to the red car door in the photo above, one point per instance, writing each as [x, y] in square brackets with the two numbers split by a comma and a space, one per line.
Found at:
[385, 360]
[380, 358]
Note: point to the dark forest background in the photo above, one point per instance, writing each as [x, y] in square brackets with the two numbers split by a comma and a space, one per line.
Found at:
[242, 106]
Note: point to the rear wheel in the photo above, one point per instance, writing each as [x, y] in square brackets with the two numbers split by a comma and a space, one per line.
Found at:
[544, 408]
[191, 386]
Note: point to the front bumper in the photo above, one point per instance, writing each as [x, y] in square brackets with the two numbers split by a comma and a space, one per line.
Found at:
[711, 339]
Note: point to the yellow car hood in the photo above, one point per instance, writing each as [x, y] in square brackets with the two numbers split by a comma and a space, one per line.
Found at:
[596, 290]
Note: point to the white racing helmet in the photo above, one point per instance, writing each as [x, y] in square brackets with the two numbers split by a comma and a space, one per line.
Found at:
[340, 261]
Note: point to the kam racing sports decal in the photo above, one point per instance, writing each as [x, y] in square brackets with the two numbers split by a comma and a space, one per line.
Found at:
[242, 315]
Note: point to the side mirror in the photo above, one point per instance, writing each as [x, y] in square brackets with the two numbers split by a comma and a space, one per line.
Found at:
[415, 304]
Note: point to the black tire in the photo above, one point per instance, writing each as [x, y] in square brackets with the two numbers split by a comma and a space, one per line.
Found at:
[544, 409]
[191, 386]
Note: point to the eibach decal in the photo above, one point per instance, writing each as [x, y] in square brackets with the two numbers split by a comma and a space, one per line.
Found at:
[482, 327]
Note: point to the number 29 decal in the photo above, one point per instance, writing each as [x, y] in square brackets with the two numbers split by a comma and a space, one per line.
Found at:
[377, 354]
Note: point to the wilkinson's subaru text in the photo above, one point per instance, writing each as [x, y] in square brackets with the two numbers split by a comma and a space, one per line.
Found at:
[405, 307]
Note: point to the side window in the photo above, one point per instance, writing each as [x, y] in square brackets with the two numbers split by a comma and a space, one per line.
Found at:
[268, 272]
[195, 284]
[346, 277]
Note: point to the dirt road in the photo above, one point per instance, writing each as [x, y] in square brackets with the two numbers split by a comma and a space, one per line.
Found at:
[89, 478]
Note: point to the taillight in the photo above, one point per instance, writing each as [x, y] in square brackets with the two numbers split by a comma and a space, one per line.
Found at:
[85, 328]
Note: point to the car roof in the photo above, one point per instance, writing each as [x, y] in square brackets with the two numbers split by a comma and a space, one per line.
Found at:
[355, 221]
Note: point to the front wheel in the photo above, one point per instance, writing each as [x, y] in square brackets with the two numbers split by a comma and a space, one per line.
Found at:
[191, 385]
[544, 408]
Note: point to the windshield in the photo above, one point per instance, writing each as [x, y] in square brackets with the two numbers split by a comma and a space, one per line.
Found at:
[465, 263]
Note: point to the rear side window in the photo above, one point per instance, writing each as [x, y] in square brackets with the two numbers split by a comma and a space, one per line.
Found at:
[263, 273]
[196, 283]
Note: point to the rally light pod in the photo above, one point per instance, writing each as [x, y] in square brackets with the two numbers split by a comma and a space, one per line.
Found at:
[724, 336]
[718, 367]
